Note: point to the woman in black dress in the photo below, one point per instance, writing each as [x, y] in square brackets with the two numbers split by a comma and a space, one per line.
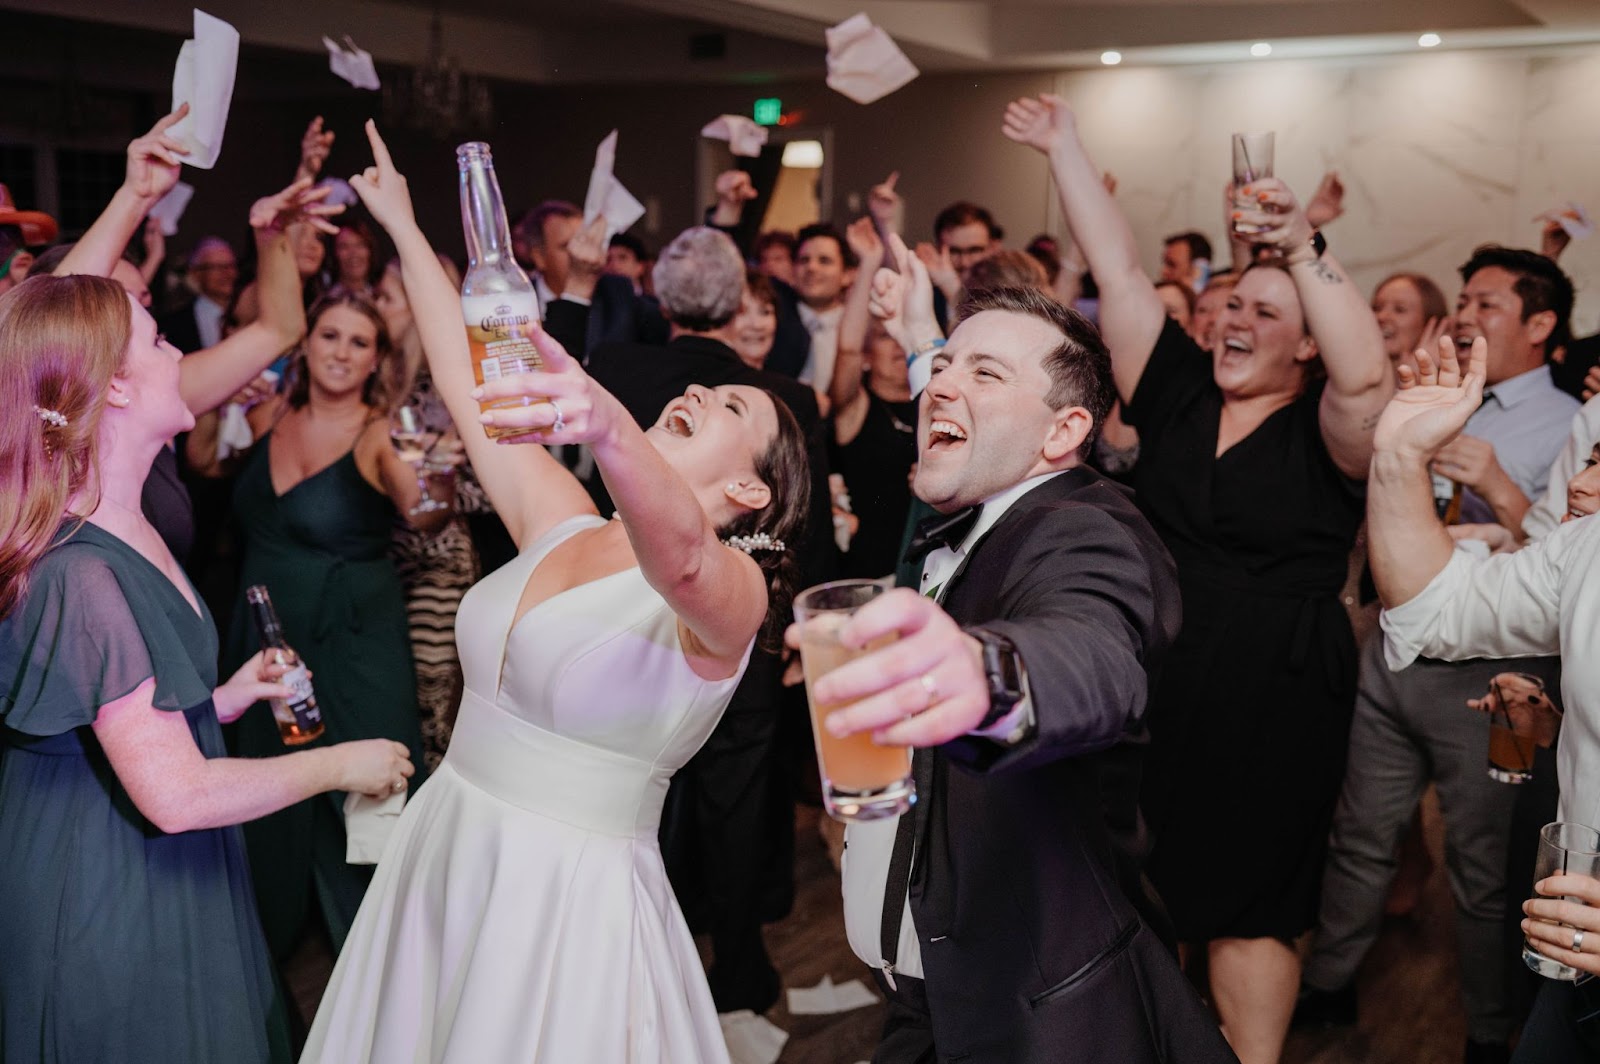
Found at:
[129, 923]
[1252, 463]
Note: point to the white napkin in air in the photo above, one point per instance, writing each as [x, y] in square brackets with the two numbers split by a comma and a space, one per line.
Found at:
[204, 80]
[368, 823]
[234, 435]
[751, 1039]
[1573, 218]
[342, 194]
[864, 63]
[826, 998]
[744, 137]
[607, 198]
[170, 208]
[351, 63]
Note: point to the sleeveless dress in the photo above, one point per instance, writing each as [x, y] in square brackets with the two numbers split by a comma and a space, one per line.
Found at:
[1250, 719]
[121, 943]
[521, 911]
[322, 550]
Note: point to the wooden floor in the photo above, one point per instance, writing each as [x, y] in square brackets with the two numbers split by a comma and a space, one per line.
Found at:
[1410, 1000]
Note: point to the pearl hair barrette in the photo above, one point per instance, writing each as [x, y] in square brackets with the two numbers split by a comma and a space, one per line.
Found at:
[759, 541]
[51, 417]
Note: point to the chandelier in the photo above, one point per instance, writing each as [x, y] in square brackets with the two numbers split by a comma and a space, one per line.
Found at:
[438, 98]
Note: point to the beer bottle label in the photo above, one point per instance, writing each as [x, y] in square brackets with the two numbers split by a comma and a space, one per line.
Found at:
[300, 709]
[505, 358]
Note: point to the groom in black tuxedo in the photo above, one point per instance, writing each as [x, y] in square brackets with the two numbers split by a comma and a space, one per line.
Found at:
[1006, 913]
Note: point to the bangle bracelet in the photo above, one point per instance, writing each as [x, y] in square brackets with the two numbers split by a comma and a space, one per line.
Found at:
[924, 348]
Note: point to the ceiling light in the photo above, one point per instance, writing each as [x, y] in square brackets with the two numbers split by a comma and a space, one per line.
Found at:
[1260, 48]
[1111, 58]
[803, 154]
[1429, 40]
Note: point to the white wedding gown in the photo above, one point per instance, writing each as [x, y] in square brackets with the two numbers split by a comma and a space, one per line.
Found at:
[521, 911]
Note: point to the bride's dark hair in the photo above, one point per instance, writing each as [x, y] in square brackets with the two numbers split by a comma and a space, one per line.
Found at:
[785, 469]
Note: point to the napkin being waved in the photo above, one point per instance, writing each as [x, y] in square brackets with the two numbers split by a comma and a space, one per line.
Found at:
[751, 1039]
[744, 137]
[1573, 218]
[368, 824]
[607, 198]
[864, 63]
[169, 208]
[204, 80]
[351, 63]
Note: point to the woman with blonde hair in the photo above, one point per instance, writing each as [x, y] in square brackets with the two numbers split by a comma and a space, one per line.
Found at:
[129, 924]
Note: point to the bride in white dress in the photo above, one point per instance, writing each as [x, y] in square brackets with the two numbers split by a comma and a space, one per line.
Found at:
[522, 912]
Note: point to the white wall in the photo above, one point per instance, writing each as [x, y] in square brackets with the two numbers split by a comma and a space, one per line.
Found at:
[1438, 152]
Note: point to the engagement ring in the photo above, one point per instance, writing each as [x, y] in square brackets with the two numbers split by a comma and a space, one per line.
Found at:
[559, 423]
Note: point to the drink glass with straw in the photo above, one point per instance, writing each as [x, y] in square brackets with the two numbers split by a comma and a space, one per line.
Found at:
[1252, 161]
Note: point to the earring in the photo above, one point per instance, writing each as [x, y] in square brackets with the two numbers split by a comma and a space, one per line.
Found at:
[732, 487]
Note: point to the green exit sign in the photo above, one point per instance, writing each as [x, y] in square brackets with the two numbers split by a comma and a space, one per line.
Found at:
[768, 111]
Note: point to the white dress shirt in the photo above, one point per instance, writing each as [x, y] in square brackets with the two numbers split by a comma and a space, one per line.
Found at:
[868, 846]
[208, 321]
[1544, 599]
[1545, 514]
[824, 330]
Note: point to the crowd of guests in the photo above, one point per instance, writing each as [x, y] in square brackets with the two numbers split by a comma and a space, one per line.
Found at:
[1275, 424]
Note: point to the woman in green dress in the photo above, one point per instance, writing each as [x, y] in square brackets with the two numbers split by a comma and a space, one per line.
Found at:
[316, 501]
[128, 921]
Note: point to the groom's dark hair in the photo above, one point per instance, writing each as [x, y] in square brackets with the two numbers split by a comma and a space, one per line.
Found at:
[1079, 367]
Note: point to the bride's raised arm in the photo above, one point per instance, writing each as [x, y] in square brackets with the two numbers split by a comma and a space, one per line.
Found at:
[529, 489]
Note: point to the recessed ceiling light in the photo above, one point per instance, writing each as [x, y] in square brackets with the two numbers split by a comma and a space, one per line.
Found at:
[1260, 48]
[1111, 58]
[803, 154]
[1429, 40]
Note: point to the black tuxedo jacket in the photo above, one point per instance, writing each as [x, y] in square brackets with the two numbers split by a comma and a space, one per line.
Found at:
[181, 329]
[613, 315]
[1027, 892]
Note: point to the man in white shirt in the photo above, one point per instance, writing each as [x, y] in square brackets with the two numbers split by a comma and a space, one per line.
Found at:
[213, 270]
[1408, 728]
[1543, 599]
[1005, 915]
[824, 267]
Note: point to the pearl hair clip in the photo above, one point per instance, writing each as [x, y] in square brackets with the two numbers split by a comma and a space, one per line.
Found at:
[51, 417]
[759, 541]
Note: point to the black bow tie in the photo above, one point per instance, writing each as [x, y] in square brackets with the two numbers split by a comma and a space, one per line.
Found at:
[942, 530]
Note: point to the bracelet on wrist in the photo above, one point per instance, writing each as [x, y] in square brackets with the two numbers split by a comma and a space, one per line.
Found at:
[924, 348]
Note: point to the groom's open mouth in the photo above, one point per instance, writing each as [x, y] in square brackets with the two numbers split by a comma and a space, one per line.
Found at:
[945, 435]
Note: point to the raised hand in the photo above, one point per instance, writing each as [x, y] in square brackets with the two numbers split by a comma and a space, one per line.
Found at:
[936, 261]
[1267, 213]
[297, 203]
[154, 160]
[734, 190]
[883, 202]
[559, 403]
[863, 238]
[1433, 402]
[903, 301]
[382, 188]
[1327, 202]
[314, 148]
[587, 254]
[154, 241]
[1042, 123]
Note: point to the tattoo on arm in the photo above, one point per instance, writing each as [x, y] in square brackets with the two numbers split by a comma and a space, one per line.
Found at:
[1370, 422]
[1325, 273]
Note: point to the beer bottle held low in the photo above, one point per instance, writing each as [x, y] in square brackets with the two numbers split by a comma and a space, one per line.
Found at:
[299, 718]
[498, 301]
[1446, 499]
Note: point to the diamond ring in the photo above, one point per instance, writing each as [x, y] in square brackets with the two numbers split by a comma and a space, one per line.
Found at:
[560, 422]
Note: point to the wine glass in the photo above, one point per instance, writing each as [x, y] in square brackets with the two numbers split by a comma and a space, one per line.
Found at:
[411, 444]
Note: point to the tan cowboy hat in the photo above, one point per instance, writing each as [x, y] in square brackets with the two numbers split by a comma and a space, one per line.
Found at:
[37, 227]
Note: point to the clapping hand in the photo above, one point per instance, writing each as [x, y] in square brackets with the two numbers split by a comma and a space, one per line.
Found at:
[1433, 402]
[297, 203]
[1043, 123]
[154, 159]
[558, 403]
